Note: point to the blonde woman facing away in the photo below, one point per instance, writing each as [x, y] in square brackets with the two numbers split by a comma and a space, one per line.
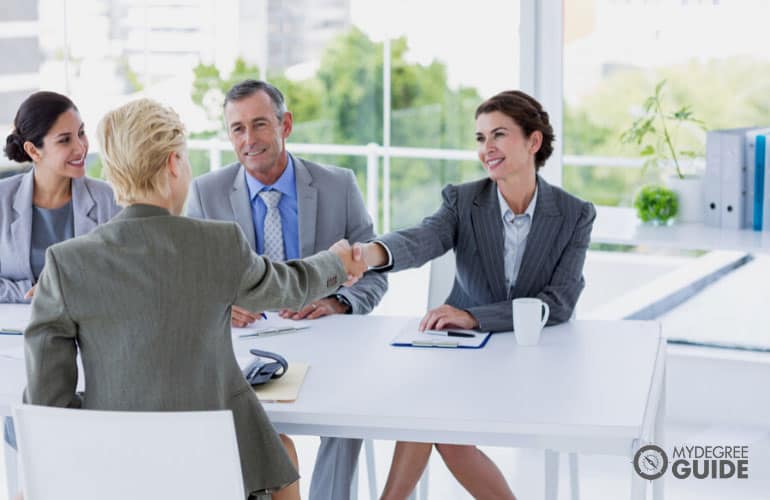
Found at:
[147, 298]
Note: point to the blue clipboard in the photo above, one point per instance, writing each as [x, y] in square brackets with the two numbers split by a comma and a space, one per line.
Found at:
[409, 337]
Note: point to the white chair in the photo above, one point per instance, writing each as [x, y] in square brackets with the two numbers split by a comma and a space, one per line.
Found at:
[93, 455]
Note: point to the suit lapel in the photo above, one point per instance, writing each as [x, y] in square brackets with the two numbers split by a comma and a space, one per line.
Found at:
[488, 230]
[307, 204]
[546, 224]
[241, 205]
[82, 205]
[21, 227]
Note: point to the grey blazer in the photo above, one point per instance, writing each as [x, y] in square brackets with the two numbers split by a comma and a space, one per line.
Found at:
[469, 222]
[147, 299]
[92, 204]
[330, 207]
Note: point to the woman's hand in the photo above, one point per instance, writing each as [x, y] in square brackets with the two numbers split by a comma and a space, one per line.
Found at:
[447, 316]
[30, 293]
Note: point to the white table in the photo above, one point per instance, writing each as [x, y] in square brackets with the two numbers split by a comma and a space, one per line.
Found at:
[588, 387]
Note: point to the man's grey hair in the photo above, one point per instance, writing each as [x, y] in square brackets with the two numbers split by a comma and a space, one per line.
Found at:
[250, 87]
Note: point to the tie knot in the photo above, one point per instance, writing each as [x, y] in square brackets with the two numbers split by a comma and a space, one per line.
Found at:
[271, 198]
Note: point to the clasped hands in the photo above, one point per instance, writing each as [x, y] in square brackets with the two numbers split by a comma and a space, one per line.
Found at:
[355, 267]
[356, 259]
[442, 317]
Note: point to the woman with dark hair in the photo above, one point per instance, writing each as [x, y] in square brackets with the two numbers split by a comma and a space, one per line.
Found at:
[52, 202]
[514, 235]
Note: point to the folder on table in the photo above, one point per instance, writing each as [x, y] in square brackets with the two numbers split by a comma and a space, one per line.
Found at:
[286, 388]
[410, 336]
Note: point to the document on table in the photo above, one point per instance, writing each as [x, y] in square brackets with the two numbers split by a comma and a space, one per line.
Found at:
[273, 325]
[285, 389]
[410, 336]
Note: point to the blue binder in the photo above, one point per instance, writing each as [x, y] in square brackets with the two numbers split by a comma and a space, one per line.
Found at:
[759, 181]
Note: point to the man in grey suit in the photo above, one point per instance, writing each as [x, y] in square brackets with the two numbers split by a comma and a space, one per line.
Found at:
[289, 208]
[146, 299]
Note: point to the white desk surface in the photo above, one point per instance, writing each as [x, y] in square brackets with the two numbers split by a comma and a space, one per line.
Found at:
[587, 386]
[621, 226]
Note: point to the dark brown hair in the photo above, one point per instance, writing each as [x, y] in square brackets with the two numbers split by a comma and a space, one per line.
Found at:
[34, 119]
[527, 113]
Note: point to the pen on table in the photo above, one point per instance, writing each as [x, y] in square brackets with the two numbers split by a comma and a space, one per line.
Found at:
[264, 316]
[451, 333]
[274, 331]
[10, 331]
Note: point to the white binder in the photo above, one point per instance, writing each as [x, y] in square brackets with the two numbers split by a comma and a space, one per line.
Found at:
[712, 180]
[733, 175]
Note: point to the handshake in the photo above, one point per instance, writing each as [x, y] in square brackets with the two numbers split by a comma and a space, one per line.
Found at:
[358, 258]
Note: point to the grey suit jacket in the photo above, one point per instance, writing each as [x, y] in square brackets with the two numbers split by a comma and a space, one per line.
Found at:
[330, 207]
[92, 204]
[147, 300]
[469, 222]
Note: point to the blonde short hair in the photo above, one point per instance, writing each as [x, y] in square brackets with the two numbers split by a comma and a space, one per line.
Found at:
[136, 140]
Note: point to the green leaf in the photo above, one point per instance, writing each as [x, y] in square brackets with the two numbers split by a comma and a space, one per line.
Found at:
[648, 150]
[683, 114]
[649, 103]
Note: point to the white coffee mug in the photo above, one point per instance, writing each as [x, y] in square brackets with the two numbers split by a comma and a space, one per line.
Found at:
[529, 317]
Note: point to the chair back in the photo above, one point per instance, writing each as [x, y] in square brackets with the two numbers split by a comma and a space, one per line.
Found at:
[442, 277]
[93, 455]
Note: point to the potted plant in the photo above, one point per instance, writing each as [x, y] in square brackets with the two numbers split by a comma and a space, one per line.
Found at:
[656, 205]
[656, 133]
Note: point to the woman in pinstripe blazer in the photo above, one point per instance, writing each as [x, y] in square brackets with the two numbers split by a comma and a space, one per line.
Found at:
[514, 235]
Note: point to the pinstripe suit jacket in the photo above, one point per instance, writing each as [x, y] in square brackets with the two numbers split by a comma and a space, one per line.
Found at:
[469, 222]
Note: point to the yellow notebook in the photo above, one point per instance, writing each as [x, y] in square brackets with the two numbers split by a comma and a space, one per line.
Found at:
[285, 389]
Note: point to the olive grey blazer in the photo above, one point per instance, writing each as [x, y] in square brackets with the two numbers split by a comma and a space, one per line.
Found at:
[92, 204]
[469, 222]
[147, 299]
[329, 206]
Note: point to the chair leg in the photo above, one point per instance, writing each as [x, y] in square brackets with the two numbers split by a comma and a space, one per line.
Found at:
[574, 481]
[551, 475]
[354, 484]
[371, 468]
[11, 471]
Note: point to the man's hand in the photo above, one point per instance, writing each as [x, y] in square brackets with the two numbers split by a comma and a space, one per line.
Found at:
[242, 317]
[30, 293]
[446, 316]
[318, 309]
[351, 258]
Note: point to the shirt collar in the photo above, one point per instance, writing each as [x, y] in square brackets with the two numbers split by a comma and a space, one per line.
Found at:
[286, 183]
[504, 209]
